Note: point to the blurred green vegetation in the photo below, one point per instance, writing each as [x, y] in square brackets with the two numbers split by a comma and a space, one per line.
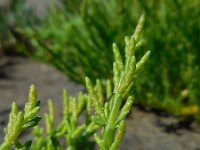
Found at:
[172, 77]
[13, 14]
[76, 38]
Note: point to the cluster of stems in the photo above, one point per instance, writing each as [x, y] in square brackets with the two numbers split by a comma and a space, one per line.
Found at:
[19, 121]
[110, 114]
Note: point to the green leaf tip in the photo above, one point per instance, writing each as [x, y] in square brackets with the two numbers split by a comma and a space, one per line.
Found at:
[142, 61]
[139, 28]
[33, 93]
[32, 99]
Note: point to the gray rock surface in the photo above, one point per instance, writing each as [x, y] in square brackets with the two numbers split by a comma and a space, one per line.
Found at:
[147, 131]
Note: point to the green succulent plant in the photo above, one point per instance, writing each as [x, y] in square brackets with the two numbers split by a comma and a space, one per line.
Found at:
[103, 108]
[19, 121]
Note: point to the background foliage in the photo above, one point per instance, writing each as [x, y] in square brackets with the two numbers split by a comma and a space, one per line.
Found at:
[76, 37]
[14, 14]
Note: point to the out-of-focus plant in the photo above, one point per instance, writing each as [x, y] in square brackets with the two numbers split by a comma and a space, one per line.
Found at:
[173, 35]
[76, 39]
[104, 108]
[13, 14]
[75, 35]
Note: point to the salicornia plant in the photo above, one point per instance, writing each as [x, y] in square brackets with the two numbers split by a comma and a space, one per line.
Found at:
[20, 121]
[110, 114]
[75, 132]
[98, 115]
